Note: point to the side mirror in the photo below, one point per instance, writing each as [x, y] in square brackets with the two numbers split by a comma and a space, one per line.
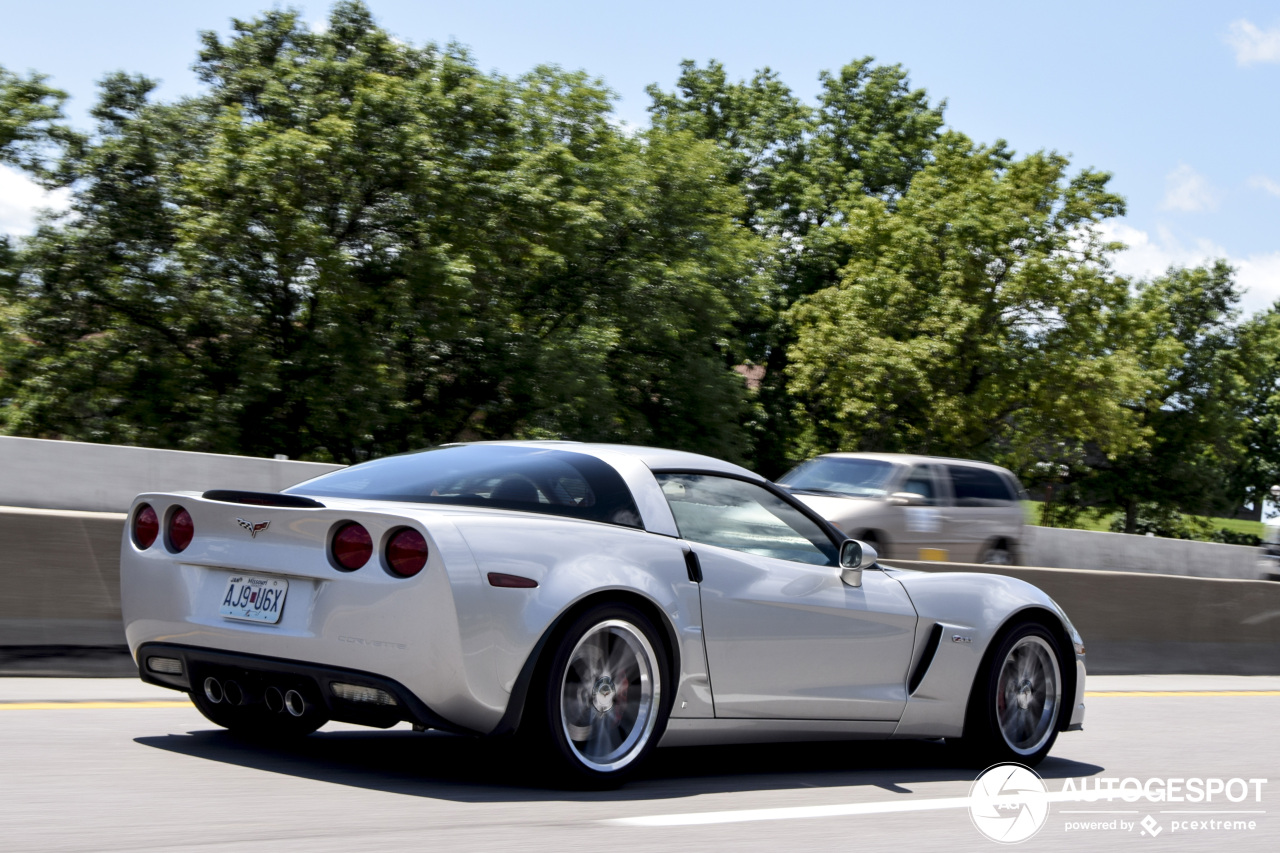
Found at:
[908, 499]
[854, 557]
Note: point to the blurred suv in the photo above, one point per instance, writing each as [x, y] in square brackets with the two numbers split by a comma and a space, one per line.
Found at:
[916, 507]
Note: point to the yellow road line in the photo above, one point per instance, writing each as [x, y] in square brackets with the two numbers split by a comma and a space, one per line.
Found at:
[58, 706]
[1182, 693]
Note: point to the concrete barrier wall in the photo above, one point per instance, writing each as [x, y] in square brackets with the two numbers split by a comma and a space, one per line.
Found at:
[1055, 547]
[1149, 623]
[61, 576]
[106, 477]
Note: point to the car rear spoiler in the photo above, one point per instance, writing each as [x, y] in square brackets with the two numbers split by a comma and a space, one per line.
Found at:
[232, 496]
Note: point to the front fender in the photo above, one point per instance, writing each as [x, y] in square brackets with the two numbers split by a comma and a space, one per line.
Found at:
[972, 610]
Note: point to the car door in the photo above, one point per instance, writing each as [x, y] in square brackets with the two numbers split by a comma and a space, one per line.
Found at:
[980, 513]
[919, 529]
[785, 637]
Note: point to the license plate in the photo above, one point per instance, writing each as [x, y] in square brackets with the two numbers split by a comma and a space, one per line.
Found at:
[254, 599]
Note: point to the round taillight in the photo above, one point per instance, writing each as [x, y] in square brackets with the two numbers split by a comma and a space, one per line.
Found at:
[180, 530]
[146, 527]
[407, 552]
[352, 546]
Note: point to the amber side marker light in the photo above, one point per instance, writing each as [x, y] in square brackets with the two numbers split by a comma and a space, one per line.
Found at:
[511, 581]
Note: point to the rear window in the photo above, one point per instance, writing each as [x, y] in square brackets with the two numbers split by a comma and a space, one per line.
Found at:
[531, 479]
[979, 487]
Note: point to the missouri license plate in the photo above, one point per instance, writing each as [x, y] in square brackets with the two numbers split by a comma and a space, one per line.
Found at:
[254, 599]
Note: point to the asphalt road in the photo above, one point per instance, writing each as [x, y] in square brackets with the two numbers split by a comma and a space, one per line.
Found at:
[112, 764]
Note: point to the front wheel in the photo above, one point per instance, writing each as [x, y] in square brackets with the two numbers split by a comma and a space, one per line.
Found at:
[1014, 710]
[602, 702]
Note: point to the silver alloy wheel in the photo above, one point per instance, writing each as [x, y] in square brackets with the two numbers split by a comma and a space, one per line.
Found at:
[609, 695]
[1028, 694]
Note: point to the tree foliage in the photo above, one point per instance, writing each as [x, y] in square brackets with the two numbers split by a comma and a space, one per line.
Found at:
[347, 246]
[975, 318]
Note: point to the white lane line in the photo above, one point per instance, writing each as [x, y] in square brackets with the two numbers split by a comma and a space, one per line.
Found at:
[791, 813]
[846, 809]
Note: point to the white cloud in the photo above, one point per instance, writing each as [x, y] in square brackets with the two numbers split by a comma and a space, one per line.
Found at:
[1252, 44]
[21, 199]
[1187, 190]
[1262, 182]
[1258, 275]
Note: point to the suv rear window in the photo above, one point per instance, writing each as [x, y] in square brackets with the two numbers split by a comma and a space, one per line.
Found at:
[979, 487]
[531, 479]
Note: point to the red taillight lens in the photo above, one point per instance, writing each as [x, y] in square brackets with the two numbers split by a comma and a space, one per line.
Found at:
[180, 529]
[146, 527]
[352, 546]
[407, 552]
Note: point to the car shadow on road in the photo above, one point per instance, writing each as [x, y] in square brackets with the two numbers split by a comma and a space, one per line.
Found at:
[473, 770]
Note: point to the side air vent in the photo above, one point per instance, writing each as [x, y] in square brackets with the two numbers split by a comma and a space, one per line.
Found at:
[930, 649]
[231, 496]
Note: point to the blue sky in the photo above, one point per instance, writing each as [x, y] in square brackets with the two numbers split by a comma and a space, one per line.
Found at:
[1181, 101]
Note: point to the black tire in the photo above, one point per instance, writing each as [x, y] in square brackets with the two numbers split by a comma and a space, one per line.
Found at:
[594, 720]
[255, 720]
[999, 553]
[1014, 711]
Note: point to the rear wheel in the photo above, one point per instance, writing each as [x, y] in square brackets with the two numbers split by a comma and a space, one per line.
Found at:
[1015, 709]
[997, 554]
[601, 704]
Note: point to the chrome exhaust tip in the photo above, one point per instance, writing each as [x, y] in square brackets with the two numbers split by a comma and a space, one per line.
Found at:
[213, 690]
[232, 693]
[295, 704]
[274, 700]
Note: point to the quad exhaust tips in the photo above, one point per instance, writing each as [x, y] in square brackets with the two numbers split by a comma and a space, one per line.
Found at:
[277, 701]
[295, 704]
[219, 692]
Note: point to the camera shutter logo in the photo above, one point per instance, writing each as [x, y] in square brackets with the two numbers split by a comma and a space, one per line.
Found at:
[1008, 803]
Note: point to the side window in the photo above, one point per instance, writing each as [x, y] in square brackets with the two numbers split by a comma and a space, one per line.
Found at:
[979, 487]
[744, 517]
[920, 482]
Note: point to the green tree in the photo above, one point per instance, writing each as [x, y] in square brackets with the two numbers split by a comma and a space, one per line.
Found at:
[1194, 419]
[798, 167]
[350, 246]
[975, 317]
[31, 121]
[1258, 467]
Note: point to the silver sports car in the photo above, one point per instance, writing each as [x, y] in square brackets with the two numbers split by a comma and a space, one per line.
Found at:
[597, 601]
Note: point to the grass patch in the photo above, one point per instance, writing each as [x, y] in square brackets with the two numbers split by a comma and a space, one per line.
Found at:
[1101, 521]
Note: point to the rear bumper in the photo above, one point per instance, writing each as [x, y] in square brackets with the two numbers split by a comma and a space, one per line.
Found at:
[255, 673]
